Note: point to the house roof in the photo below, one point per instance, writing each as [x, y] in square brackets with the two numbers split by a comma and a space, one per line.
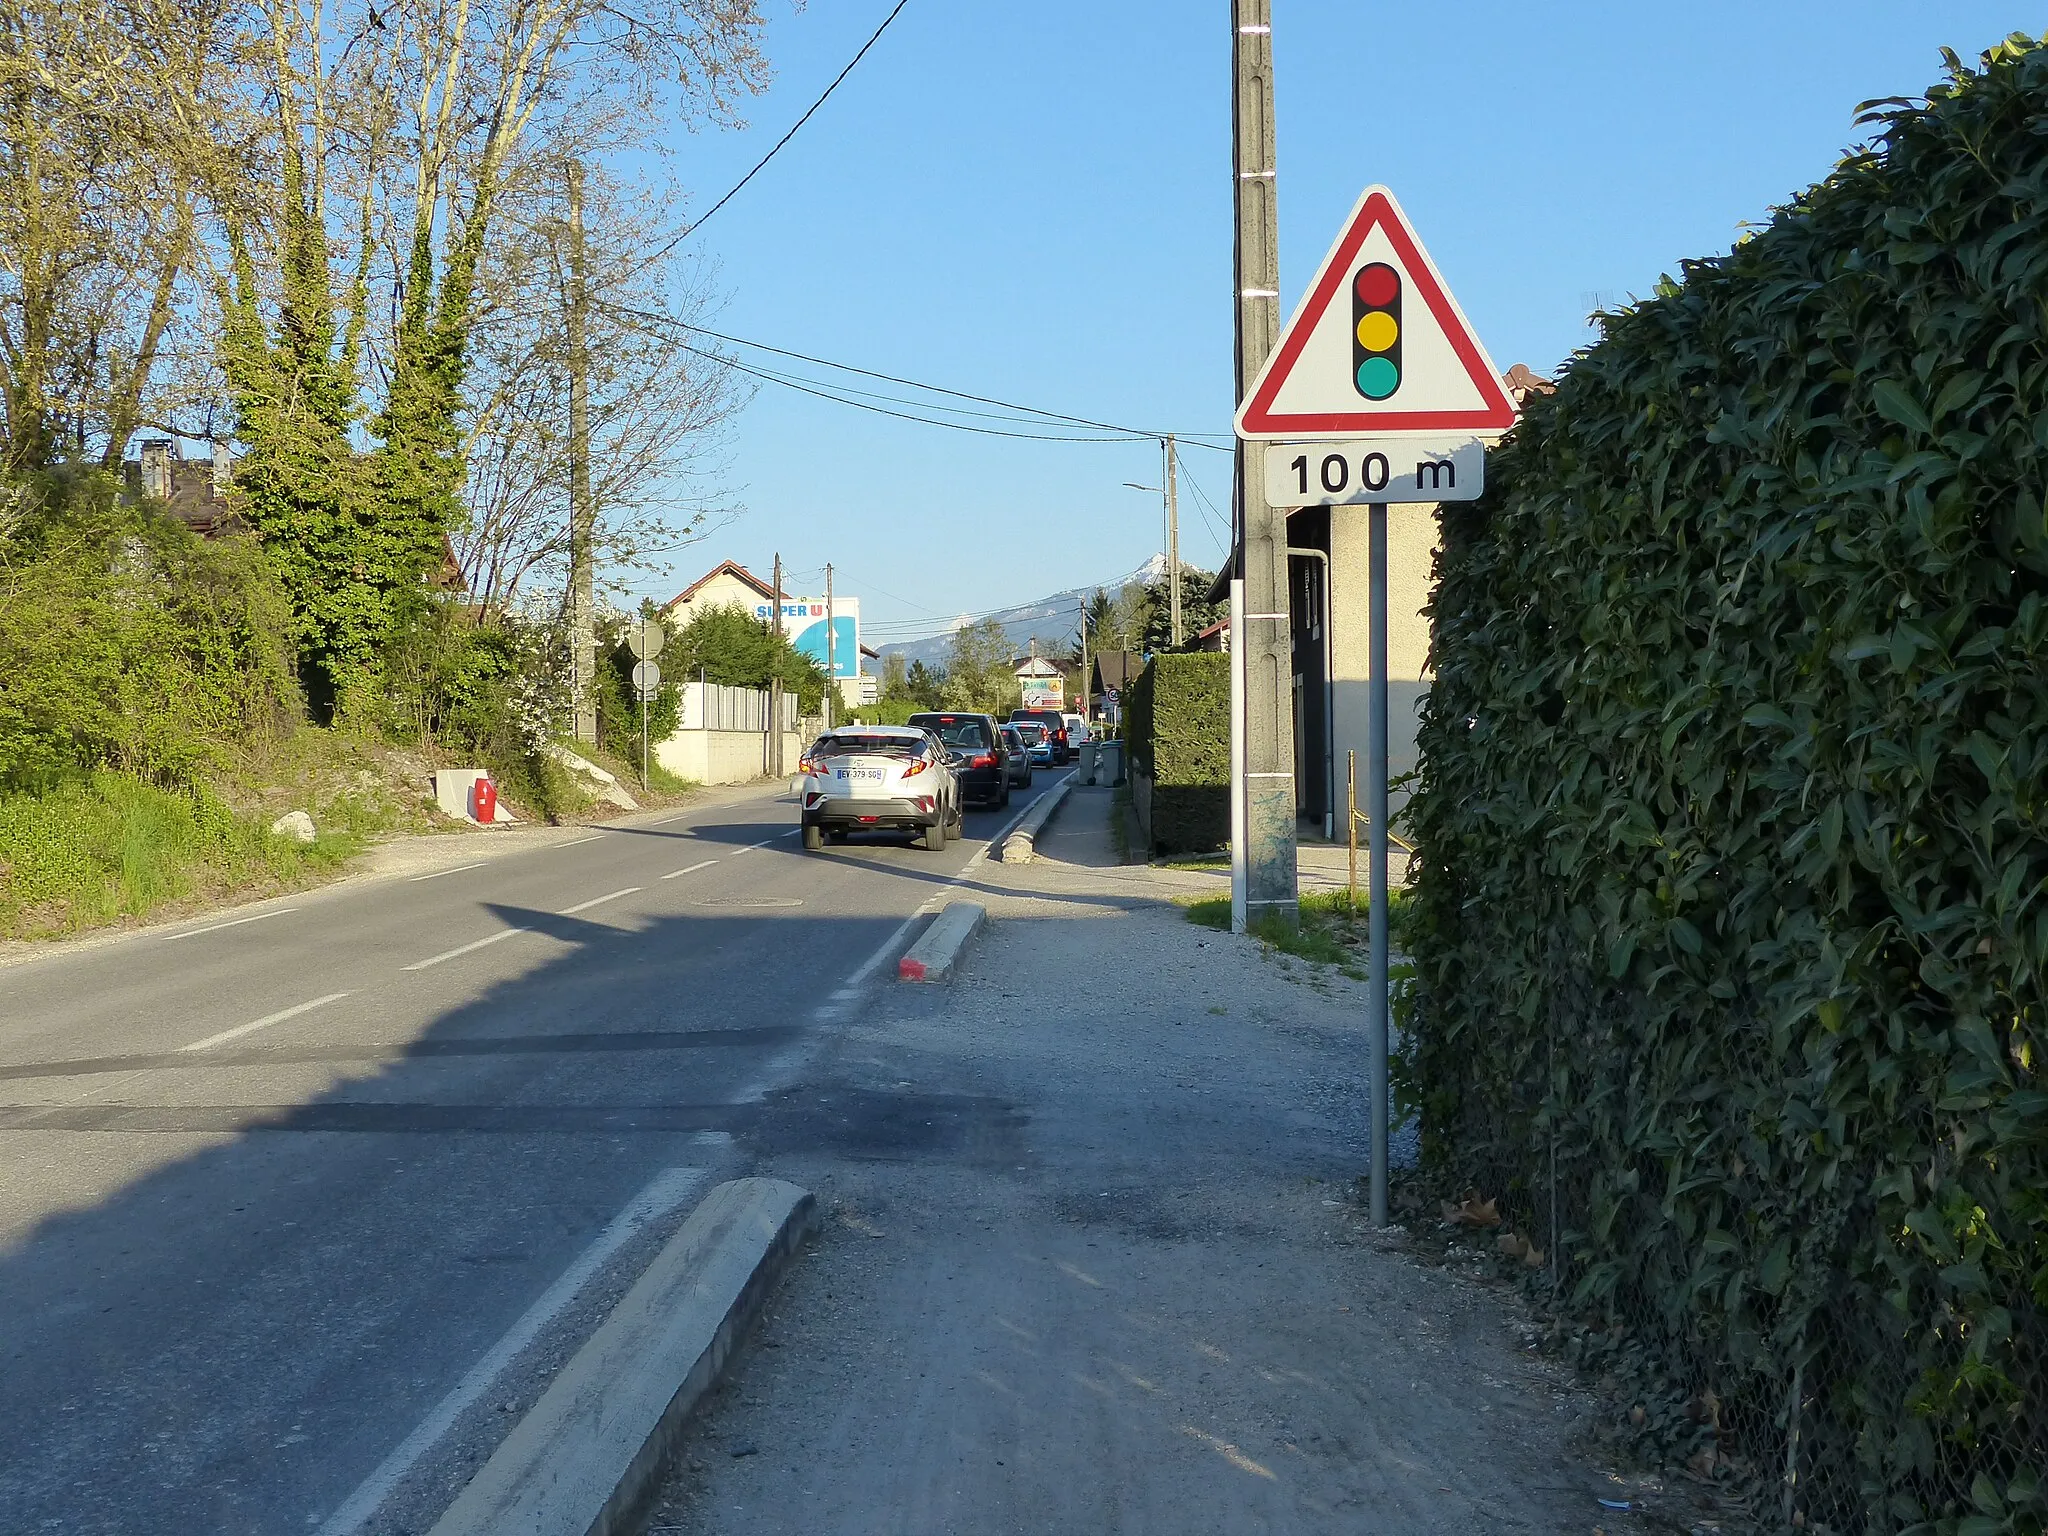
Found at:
[723, 568]
[1115, 669]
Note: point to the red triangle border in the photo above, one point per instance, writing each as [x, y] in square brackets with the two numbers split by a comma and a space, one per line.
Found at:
[1258, 417]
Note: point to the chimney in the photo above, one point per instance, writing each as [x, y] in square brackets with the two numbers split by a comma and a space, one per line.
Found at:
[223, 471]
[156, 468]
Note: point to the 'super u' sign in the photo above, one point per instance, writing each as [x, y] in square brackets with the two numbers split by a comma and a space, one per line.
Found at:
[1380, 469]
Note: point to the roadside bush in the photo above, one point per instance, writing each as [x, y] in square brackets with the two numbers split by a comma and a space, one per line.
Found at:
[1179, 727]
[1729, 928]
[128, 642]
[111, 845]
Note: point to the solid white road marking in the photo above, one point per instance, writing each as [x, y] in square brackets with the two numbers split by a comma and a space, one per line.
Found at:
[463, 949]
[690, 871]
[263, 1023]
[578, 842]
[931, 905]
[437, 874]
[663, 1194]
[596, 901]
[193, 933]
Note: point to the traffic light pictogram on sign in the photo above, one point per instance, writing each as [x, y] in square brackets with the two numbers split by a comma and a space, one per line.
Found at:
[1377, 347]
[1376, 331]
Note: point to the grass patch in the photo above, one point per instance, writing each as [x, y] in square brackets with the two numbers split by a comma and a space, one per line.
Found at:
[115, 846]
[1332, 930]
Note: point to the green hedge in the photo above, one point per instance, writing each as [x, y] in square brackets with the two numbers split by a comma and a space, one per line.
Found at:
[1732, 910]
[1178, 720]
[128, 642]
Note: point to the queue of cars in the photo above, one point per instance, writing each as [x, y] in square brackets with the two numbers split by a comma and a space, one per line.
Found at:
[919, 777]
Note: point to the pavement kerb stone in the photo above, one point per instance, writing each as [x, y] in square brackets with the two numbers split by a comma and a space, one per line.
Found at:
[1020, 846]
[934, 955]
[586, 1456]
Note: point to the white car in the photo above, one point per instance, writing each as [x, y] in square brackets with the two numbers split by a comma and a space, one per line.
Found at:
[880, 778]
[1077, 733]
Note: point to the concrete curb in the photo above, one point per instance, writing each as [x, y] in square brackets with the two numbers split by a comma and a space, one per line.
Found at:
[933, 957]
[585, 1457]
[1020, 847]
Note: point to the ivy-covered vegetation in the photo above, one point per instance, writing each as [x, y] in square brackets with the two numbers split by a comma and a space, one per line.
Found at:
[1731, 919]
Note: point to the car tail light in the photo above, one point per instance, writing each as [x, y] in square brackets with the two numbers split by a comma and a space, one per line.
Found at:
[925, 803]
[982, 761]
[917, 767]
[809, 765]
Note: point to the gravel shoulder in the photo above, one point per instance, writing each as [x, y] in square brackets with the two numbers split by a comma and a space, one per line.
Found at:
[1107, 1274]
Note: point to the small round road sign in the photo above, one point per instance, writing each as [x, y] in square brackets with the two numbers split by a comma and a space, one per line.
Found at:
[645, 638]
[646, 677]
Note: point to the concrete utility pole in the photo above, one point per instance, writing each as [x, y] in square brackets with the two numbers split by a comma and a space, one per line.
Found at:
[1268, 720]
[831, 651]
[582, 514]
[775, 681]
[1087, 715]
[1172, 541]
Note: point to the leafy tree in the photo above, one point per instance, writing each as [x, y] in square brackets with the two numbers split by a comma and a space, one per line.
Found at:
[731, 647]
[980, 671]
[895, 678]
[926, 685]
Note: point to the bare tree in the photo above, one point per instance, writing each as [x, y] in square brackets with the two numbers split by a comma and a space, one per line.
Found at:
[655, 410]
[112, 114]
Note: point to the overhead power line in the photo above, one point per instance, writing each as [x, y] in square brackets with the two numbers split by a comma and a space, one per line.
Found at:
[1035, 415]
[760, 164]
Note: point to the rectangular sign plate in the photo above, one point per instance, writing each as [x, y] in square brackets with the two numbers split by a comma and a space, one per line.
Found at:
[1342, 474]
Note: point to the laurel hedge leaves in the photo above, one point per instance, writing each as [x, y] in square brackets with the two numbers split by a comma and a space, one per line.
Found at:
[1179, 719]
[1731, 918]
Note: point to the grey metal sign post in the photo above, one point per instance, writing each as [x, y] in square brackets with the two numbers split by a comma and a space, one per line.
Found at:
[645, 638]
[1377, 391]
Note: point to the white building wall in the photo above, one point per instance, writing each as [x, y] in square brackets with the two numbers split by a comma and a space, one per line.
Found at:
[1411, 547]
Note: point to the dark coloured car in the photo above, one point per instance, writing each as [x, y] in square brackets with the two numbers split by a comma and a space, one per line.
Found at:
[1055, 724]
[1020, 756]
[984, 765]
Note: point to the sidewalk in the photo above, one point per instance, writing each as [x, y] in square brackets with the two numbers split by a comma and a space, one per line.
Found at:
[1090, 1263]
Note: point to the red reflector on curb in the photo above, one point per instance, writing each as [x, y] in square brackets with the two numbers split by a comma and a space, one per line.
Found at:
[908, 969]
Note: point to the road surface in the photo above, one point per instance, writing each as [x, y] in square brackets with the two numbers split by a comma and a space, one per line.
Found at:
[304, 1201]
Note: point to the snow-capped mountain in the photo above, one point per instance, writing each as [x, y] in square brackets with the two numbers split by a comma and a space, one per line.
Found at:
[1051, 621]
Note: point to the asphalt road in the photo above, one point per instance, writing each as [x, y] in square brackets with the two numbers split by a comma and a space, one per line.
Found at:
[303, 1202]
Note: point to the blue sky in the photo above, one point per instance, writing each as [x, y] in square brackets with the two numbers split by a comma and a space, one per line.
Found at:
[1033, 202]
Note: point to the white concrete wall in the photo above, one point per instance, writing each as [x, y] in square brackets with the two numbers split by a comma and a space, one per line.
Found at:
[1411, 545]
[723, 757]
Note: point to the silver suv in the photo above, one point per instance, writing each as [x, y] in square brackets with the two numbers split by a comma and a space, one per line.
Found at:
[880, 778]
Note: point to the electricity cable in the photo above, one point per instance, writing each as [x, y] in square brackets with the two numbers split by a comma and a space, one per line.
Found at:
[760, 164]
[1123, 433]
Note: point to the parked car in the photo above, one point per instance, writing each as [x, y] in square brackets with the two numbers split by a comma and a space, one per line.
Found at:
[1020, 756]
[1055, 725]
[984, 759]
[1037, 744]
[880, 778]
[1077, 732]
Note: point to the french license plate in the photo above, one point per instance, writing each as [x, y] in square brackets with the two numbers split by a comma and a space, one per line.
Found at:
[861, 775]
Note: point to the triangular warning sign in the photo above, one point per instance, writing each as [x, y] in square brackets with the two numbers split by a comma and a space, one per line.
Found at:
[1378, 346]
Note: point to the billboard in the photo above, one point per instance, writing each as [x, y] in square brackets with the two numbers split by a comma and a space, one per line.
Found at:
[1043, 692]
[803, 621]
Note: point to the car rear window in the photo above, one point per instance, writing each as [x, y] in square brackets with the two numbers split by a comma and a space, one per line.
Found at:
[883, 746]
[954, 731]
[1031, 732]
